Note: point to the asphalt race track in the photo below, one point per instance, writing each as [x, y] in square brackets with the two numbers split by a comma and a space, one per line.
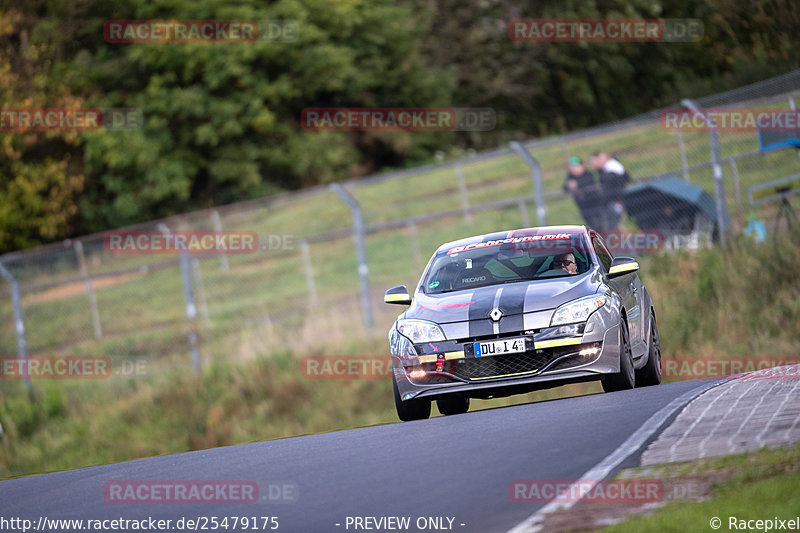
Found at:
[459, 467]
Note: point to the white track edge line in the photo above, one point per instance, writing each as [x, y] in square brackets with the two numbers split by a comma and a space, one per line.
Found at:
[623, 451]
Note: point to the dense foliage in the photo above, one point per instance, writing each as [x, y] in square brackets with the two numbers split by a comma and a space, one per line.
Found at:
[221, 121]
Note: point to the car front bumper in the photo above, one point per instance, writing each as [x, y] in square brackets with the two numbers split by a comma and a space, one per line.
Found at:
[553, 362]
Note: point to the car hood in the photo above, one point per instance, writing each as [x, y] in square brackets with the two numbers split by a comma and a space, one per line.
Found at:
[516, 301]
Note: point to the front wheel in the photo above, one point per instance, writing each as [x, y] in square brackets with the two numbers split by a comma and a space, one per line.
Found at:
[410, 409]
[626, 377]
[650, 374]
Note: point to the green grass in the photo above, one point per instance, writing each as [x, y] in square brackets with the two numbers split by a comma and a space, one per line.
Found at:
[252, 387]
[166, 411]
[741, 302]
[272, 282]
[760, 485]
[738, 303]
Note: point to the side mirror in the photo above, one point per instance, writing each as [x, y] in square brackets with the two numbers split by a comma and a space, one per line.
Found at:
[397, 295]
[621, 266]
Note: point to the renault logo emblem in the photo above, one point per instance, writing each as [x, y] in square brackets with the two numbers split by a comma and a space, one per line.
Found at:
[496, 314]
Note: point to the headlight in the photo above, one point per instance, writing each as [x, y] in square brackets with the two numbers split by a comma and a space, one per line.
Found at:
[577, 310]
[420, 330]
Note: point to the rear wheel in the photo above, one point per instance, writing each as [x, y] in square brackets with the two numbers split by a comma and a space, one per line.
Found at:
[626, 377]
[650, 373]
[453, 406]
[410, 409]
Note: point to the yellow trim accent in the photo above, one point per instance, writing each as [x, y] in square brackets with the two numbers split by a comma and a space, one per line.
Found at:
[539, 345]
[391, 298]
[432, 358]
[507, 375]
[624, 268]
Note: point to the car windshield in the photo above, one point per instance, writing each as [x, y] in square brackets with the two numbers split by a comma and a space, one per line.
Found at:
[494, 262]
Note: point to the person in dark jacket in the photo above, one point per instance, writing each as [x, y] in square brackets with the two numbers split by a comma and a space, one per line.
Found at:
[581, 184]
[613, 178]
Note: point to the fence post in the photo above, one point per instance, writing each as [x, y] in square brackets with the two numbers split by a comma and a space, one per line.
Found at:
[739, 211]
[305, 252]
[19, 323]
[564, 148]
[538, 187]
[684, 162]
[201, 290]
[523, 213]
[361, 252]
[716, 163]
[98, 329]
[191, 312]
[191, 308]
[793, 108]
[412, 232]
[462, 189]
[217, 225]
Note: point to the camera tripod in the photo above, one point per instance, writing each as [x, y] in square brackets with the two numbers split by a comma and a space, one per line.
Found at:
[785, 210]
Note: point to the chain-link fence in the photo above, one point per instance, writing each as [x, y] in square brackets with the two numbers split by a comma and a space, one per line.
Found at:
[304, 286]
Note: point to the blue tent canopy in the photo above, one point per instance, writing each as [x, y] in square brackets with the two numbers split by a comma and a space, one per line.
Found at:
[668, 203]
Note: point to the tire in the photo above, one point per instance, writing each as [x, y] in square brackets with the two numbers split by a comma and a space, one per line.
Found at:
[650, 373]
[453, 406]
[410, 409]
[626, 377]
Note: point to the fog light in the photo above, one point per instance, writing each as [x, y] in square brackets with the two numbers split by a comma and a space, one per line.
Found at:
[417, 374]
[586, 352]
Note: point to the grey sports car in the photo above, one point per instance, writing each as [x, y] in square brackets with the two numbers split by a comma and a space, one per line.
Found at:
[515, 311]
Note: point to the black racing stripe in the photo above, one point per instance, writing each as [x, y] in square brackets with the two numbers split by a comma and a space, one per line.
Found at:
[512, 302]
[479, 322]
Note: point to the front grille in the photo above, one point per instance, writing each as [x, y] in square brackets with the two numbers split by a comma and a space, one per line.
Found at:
[500, 365]
[473, 368]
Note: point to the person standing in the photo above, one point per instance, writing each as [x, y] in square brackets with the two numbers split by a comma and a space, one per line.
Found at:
[613, 178]
[581, 184]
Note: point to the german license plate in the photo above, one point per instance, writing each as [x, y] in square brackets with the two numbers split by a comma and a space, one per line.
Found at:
[502, 347]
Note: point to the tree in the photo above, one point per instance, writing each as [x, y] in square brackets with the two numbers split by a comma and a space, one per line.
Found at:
[40, 177]
[221, 121]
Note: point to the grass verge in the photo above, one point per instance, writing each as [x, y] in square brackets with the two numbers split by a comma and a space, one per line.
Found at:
[762, 485]
[743, 301]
